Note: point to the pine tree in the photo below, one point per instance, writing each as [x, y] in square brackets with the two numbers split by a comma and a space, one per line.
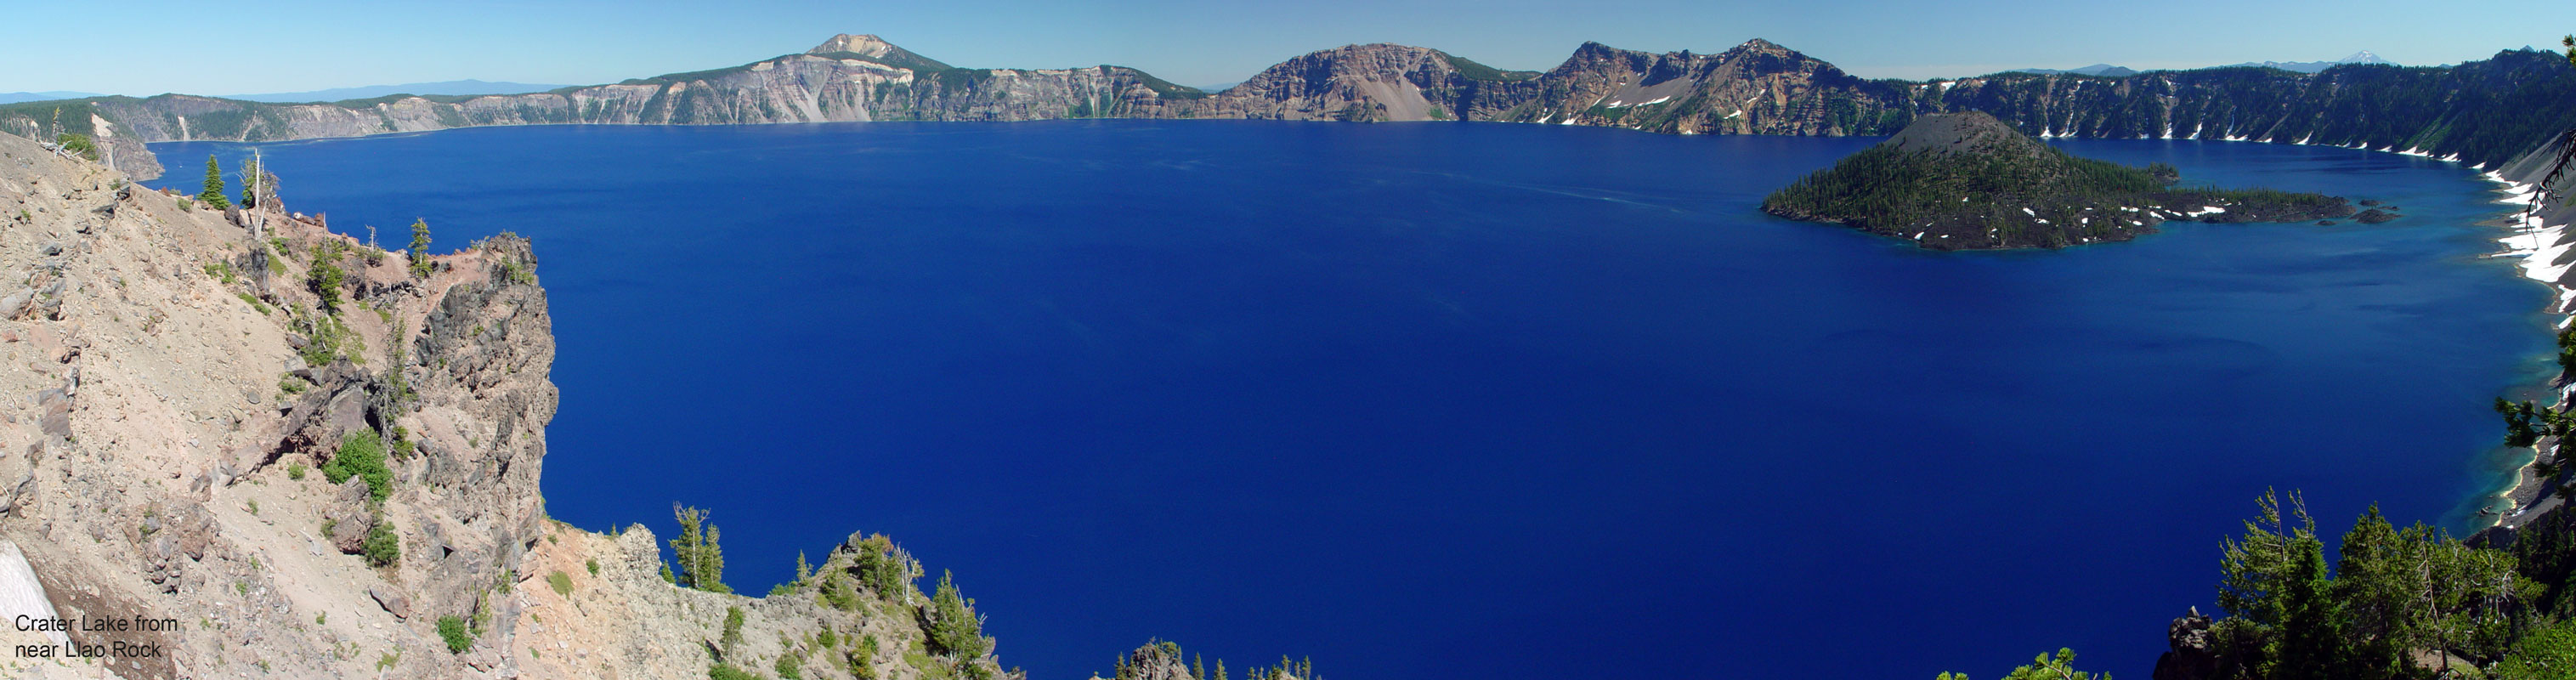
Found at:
[2309, 628]
[701, 559]
[1220, 669]
[419, 252]
[213, 194]
[1197, 669]
[803, 570]
[954, 629]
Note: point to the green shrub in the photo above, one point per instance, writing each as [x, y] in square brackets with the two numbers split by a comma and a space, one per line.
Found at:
[383, 547]
[79, 144]
[727, 672]
[362, 455]
[593, 564]
[862, 658]
[561, 582]
[222, 271]
[838, 592]
[790, 666]
[732, 627]
[452, 629]
[295, 471]
[2543, 654]
[326, 278]
[328, 339]
[2567, 349]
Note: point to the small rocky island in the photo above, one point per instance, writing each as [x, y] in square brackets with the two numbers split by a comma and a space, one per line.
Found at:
[1966, 181]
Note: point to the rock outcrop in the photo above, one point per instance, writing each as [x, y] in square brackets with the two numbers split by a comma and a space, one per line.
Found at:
[172, 464]
[284, 477]
[2191, 652]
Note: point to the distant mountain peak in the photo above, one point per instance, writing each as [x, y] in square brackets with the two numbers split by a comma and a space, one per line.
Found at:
[2362, 57]
[873, 48]
[865, 43]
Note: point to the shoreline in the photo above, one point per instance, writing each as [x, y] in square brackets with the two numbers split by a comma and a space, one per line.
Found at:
[2544, 252]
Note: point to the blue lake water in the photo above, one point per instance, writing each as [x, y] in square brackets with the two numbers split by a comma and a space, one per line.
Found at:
[1463, 400]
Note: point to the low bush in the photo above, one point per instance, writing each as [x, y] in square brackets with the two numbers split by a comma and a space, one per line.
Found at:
[382, 547]
[362, 455]
[452, 630]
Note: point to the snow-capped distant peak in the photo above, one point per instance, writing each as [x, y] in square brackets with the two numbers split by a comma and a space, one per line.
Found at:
[2362, 57]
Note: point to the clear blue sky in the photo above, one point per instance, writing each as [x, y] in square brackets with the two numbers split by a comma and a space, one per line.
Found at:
[152, 46]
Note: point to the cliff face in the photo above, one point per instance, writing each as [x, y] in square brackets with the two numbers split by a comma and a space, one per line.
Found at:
[292, 455]
[183, 395]
[2480, 113]
[1369, 83]
[1756, 88]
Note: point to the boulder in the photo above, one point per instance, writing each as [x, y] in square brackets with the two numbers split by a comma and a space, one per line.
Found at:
[349, 517]
[393, 602]
[2192, 654]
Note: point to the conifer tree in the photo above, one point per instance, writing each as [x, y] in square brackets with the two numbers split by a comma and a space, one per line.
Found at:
[213, 194]
[419, 252]
[701, 559]
[954, 628]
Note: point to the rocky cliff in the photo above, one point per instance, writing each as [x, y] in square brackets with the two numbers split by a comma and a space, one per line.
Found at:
[2479, 113]
[185, 396]
[236, 444]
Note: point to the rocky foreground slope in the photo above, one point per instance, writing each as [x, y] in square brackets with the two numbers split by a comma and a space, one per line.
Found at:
[235, 444]
[2479, 113]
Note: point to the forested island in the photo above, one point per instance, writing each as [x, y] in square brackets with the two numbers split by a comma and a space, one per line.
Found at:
[1967, 181]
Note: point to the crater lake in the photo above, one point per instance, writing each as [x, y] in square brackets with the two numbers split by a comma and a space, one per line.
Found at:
[1464, 400]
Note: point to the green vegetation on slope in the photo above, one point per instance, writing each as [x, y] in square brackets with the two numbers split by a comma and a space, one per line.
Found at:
[1164, 88]
[1469, 69]
[2060, 666]
[362, 455]
[2396, 604]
